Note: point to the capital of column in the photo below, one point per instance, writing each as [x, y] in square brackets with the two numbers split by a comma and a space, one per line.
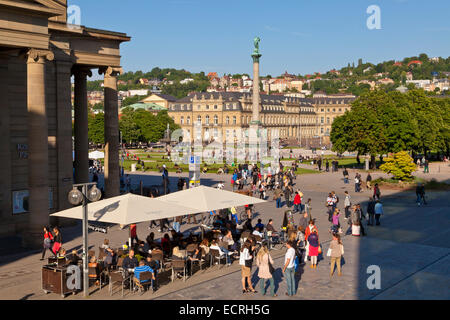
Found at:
[39, 56]
[110, 71]
[81, 71]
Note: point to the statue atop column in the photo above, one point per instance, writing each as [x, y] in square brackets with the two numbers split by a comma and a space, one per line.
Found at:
[256, 54]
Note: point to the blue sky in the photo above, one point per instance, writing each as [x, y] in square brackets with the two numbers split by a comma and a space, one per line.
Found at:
[300, 36]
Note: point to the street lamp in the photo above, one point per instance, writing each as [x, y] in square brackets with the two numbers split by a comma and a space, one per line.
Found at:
[75, 198]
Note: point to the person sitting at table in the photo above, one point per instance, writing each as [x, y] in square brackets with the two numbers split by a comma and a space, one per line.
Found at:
[176, 253]
[93, 264]
[130, 261]
[73, 258]
[222, 250]
[257, 232]
[142, 249]
[61, 253]
[260, 225]
[228, 237]
[151, 241]
[143, 268]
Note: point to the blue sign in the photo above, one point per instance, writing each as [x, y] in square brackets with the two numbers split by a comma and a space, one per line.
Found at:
[435, 74]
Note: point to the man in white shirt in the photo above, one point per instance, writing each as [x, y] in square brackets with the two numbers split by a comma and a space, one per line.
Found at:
[289, 268]
[257, 232]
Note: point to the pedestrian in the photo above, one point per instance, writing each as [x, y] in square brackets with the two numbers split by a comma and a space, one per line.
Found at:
[304, 221]
[368, 181]
[319, 164]
[314, 247]
[177, 223]
[48, 242]
[376, 192]
[246, 261]
[329, 204]
[347, 204]
[308, 208]
[297, 202]
[336, 215]
[57, 241]
[180, 184]
[356, 183]
[133, 233]
[277, 197]
[265, 263]
[378, 212]
[371, 211]
[345, 173]
[287, 195]
[289, 268]
[165, 179]
[336, 251]
[420, 193]
[425, 167]
[327, 166]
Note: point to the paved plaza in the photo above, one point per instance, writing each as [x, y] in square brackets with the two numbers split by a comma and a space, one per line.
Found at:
[410, 247]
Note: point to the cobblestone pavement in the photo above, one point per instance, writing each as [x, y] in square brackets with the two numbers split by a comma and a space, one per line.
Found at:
[411, 247]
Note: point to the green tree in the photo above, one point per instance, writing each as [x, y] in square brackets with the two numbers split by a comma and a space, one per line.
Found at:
[96, 126]
[129, 128]
[401, 165]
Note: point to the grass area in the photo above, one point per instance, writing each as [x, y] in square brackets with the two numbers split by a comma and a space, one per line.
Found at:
[412, 184]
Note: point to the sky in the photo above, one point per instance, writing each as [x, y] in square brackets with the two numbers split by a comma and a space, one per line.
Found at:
[298, 36]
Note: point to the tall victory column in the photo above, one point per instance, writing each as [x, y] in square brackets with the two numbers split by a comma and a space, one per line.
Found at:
[255, 124]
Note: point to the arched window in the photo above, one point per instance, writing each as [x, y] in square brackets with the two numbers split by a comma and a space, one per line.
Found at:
[199, 119]
[216, 119]
[228, 120]
[188, 120]
[207, 119]
[181, 120]
[234, 119]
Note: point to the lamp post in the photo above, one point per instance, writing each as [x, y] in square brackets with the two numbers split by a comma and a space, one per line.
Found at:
[76, 197]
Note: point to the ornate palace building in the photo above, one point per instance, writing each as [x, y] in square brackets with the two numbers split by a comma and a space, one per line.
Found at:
[305, 119]
[222, 113]
[39, 53]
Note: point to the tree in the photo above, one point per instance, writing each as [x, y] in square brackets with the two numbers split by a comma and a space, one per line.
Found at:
[130, 130]
[96, 126]
[401, 165]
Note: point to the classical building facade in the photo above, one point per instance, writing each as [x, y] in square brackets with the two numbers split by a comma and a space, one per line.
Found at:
[39, 53]
[228, 112]
[327, 108]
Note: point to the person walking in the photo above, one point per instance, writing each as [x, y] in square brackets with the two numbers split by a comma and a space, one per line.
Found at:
[368, 181]
[371, 211]
[277, 196]
[57, 241]
[297, 202]
[48, 242]
[314, 247]
[330, 206]
[420, 193]
[336, 215]
[308, 208]
[265, 263]
[376, 192]
[287, 195]
[425, 166]
[289, 268]
[319, 164]
[357, 183]
[345, 173]
[378, 212]
[336, 252]
[246, 261]
[347, 204]
[327, 166]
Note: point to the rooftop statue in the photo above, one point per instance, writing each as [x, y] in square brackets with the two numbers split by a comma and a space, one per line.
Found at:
[256, 42]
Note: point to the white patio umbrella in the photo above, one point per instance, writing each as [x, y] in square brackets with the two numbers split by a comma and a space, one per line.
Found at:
[96, 155]
[127, 209]
[204, 199]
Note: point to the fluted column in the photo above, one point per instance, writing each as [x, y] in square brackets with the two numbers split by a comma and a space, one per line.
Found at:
[37, 146]
[112, 170]
[81, 124]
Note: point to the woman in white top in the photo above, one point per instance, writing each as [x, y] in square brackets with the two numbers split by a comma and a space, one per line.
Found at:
[245, 261]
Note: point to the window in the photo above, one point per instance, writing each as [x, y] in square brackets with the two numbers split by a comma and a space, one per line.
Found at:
[199, 107]
[234, 119]
[215, 107]
[182, 120]
[340, 109]
[328, 120]
[216, 119]
[321, 130]
[188, 120]
[228, 120]
[207, 107]
[207, 120]
[199, 119]
[334, 110]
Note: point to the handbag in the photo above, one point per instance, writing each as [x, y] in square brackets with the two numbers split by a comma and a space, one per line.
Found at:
[249, 263]
[271, 268]
[320, 249]
[329, 252]
[47, 243]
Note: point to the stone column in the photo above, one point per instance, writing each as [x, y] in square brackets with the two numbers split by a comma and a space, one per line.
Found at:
[38, 147]
[64, 137]
[81, 124]
[112, 170]
[5, 144]
[255, 123]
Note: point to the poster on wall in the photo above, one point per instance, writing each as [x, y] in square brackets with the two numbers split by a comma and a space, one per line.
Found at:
[20, 201]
